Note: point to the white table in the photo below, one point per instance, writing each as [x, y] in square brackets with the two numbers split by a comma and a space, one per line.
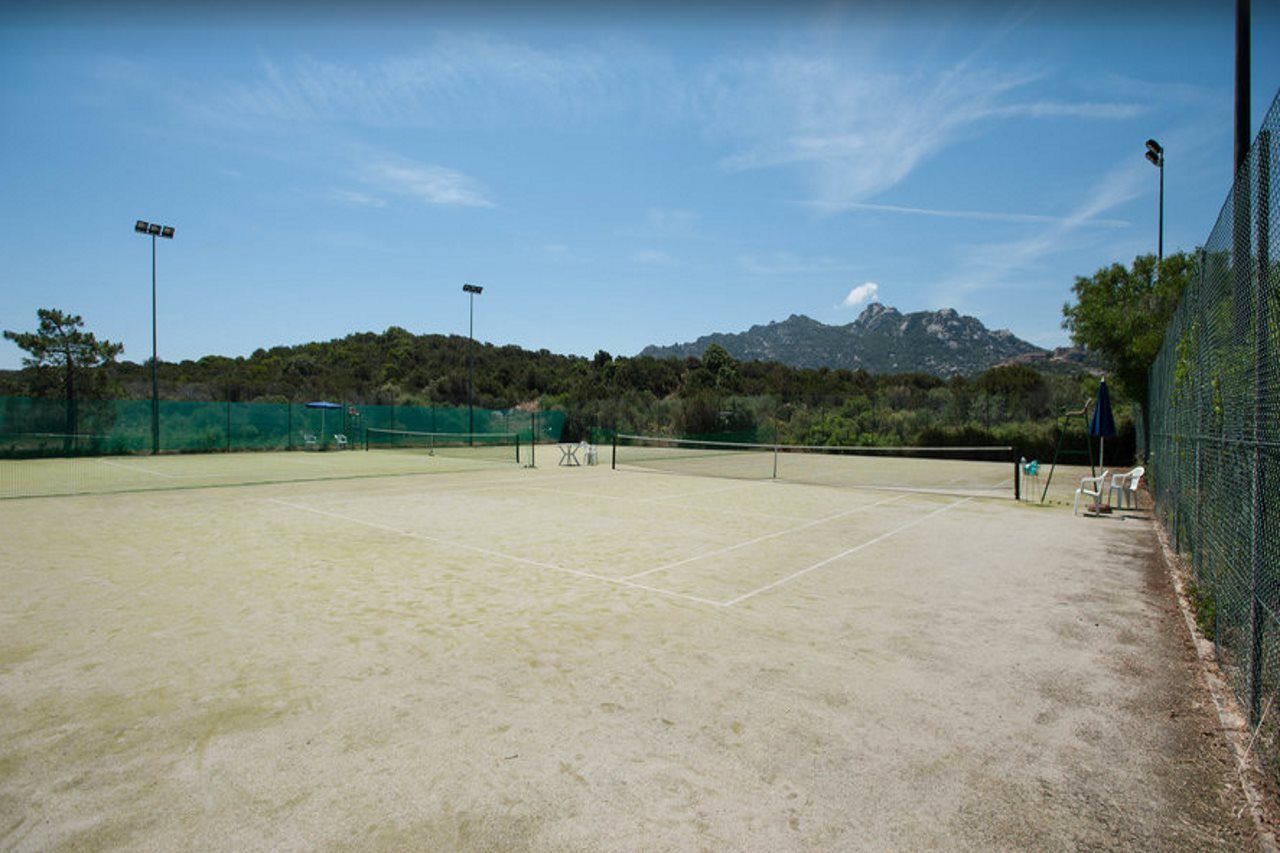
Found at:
[569, 454]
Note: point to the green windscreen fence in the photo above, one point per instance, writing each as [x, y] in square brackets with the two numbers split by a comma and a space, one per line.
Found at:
[40, 427]
[1214, 455]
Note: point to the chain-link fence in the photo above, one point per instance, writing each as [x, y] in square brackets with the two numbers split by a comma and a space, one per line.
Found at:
[1215, 437]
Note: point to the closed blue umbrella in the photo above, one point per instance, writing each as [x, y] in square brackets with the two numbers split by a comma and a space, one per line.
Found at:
[1103, 422]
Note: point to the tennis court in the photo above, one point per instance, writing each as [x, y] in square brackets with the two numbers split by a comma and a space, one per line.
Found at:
[443, 653]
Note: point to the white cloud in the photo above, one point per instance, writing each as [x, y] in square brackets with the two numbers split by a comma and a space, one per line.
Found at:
[432, 184]
[862, 293]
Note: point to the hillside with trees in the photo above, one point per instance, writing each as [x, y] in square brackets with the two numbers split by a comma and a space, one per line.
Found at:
[712, 395]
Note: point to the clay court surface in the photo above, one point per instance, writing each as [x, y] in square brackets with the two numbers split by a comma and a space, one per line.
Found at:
[583, 659]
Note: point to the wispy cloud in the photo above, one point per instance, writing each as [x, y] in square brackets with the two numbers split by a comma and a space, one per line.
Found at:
[359, 199]
[432, 184]
[984, 215]
[862, 293]
[788, 264]
[1063, 109]
[1018, 262]
[856, 129]
[457, 78]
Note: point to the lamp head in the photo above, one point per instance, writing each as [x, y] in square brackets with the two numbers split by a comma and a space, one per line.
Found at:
[141, 226]
[473, 288]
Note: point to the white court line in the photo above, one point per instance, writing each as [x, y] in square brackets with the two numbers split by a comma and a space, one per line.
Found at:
[660, 502]
[795, 529]
[842, 554]
[138, 470]
[500, 555]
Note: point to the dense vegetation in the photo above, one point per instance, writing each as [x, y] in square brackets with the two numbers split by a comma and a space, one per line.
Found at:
[1013, 405]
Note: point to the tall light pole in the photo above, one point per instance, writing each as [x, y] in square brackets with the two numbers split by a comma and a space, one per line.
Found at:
[153, 230]
[472, 290]
[1155, 153]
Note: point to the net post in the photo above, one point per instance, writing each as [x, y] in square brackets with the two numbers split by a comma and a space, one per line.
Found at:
[1017, 478]
[517, 448]
[613, 462]
[775, 457]
[533, 440]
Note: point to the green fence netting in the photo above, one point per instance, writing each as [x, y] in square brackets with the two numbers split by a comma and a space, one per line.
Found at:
[47, 427]
[1215, 437]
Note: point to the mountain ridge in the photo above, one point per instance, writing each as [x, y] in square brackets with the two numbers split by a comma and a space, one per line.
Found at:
[881, 340]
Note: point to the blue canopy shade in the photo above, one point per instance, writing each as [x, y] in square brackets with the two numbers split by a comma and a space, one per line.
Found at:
[1102, 423]
[322, 405]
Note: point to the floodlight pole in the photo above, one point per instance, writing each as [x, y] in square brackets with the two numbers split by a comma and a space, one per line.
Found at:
[1155, 154]
[155, 377]
[154, 230]
[1160, 236]
[471, 291]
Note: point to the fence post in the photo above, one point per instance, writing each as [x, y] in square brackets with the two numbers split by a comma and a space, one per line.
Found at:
[1260, 393]
[228, 426]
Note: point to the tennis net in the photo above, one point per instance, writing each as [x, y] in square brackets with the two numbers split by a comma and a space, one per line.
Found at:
[480, 446]
[976, 471]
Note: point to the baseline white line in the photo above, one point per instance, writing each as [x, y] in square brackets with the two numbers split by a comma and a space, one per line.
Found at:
[138, 470]
[660, 502]
[842, 554]
[500, 555]
[795, 529]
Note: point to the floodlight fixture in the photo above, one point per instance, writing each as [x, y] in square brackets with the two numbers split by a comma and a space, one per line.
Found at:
[154, 230]
[1155, 153]
[472, 288]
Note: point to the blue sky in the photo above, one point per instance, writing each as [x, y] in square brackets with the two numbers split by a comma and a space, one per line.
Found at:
[612, 178]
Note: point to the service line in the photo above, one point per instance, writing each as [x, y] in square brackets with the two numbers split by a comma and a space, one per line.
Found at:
[843, 554]
[766, 537]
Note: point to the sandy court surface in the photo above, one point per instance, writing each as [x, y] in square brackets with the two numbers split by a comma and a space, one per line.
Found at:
[588, 659]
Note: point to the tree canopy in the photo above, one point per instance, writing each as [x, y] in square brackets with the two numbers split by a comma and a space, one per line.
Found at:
[63, 354]
[1122, 314]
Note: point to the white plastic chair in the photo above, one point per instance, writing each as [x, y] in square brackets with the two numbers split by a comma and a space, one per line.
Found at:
[1126, 484]
[1098, 485]
[309, 439]
[340, 440]
[588, 452]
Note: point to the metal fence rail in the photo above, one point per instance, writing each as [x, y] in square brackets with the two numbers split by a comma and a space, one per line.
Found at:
[1215, 436]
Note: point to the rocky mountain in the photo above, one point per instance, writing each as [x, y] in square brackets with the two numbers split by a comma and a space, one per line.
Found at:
[881, 340]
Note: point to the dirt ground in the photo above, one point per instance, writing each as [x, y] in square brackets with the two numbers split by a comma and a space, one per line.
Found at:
[583, 659]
